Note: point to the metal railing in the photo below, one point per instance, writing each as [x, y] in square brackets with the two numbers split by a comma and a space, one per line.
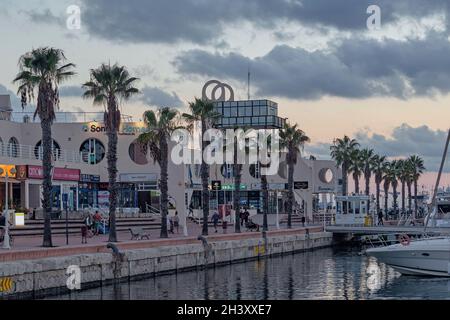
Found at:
[19, 151]
[62, 117]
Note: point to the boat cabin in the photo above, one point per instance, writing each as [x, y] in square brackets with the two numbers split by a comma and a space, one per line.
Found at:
[351, 210]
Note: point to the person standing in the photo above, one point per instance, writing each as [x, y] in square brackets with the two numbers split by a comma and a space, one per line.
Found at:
[215, 220]
[246, 216]
[176, 221]
[380, 218]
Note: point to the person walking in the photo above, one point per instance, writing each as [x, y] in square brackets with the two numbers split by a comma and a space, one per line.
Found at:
[215, 220]
[380, 218]
[246, 216]
[241, 216]
[225, 224]
[176, 221]
[170, 224]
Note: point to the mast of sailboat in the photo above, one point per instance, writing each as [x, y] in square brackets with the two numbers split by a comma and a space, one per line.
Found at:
[438, 181]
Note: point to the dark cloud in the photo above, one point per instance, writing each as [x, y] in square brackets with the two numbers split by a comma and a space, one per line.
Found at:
[153, 96]
[356, 68]
[169, 21]
[402, 143]
[71, 91]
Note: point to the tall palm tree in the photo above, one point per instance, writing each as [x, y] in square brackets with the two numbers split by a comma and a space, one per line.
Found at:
[409, 181]
[386, 185]
[43, 69]
[109, 86]
[293, 140]
[341, 152]
[368, 165]
[160, 126]
[356, 167]
[417, 167]
[392, 174]
[405, 177]
[379, 163]
[203, 112]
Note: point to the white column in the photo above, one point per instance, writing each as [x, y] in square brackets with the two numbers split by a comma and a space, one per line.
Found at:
[27, 194]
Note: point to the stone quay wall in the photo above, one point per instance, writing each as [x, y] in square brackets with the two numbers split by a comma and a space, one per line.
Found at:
[41, 277]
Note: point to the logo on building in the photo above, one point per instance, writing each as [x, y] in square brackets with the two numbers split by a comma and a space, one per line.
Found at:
[7, 285]
[217, 87]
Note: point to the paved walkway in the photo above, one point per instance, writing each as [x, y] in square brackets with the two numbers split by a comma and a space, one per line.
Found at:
[25, 248]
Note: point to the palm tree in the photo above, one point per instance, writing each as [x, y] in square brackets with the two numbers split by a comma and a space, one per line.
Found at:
[160, 126]
[203, 112]
[391, 175]
[43, 69]
[341, 152]
[378, 170]
[405, 177]
[368, 165]
[356, 167]
[386, 185]
[417, 167]
[108, 86]
[409, 181]
[293, 139]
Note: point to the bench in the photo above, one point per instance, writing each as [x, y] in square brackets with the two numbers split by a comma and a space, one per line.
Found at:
[138, 233]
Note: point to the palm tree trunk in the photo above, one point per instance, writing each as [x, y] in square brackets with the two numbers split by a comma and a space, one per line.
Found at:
[265, 200]
[394, 187]
[356, 178]
[378, 195]
[112, 175]
[237, 171]
[367, 191]
[403, 197]
[164, 187]
[415, 199]
[409, 197]
[205, 185]
[386, 198]
[290, 203]
[46, 127]
[344, 186]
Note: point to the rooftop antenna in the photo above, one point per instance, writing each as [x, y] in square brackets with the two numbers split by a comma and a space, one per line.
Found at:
[248, 83]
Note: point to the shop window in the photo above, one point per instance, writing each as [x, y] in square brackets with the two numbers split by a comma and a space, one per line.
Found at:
[93, 151]
[255, 170]
[137, 153]
[13, 148]
[227, 171]
[56, 150]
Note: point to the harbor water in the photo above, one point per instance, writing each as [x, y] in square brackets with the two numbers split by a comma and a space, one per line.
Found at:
[327, 274]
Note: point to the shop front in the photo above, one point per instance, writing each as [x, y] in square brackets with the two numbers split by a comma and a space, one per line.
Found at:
[138, 191]
[88, 190]
[14, 191]
[65, 186]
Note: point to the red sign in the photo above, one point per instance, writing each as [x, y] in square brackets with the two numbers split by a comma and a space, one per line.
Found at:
[61, 174]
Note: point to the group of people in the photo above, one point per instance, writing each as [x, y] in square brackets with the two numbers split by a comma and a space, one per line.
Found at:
[91, 226]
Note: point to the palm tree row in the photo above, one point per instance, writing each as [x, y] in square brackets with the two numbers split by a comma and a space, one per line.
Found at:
[42, 70]
[365, 162]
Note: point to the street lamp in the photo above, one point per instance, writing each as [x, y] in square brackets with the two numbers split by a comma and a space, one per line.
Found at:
[10, 173]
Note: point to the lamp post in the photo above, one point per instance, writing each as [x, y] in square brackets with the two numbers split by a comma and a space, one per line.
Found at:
[7, 174]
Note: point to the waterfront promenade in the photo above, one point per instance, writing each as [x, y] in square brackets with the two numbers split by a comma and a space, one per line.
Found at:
[28, 248]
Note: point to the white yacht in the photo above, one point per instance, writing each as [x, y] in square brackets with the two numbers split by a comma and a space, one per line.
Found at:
[427, 256]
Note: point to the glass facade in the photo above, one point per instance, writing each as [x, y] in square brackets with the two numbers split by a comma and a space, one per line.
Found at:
[251, 113]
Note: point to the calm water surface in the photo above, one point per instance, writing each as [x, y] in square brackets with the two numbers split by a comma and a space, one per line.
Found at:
[340, 274]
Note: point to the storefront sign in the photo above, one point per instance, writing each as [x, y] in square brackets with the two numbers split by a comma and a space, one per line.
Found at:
[216, 185]
[138, 177]
[301, 185]
[21, 172]
[61, 174]
[270, 186]
[125, 129]
[230, 187]
[89, 178]
[7, 168]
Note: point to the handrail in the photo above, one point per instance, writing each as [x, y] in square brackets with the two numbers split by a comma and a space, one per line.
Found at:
[62, 117]
[20, 151]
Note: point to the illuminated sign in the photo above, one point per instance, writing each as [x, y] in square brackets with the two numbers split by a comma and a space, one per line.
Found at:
[7, 168]
[125, 129]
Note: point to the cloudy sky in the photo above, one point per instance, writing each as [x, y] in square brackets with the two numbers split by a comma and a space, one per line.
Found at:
[328, 71]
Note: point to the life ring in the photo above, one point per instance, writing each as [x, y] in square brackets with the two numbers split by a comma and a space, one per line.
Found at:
[405, 239]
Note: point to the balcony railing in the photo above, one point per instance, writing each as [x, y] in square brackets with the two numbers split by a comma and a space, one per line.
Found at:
[18, 151]
[61, 117]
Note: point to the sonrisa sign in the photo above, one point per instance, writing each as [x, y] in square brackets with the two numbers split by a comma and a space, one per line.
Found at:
[125, 128]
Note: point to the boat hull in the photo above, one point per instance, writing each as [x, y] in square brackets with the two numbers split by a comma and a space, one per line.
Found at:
[429, 257]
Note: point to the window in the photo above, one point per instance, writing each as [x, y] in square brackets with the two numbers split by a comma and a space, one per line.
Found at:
[137, 153]
[93, 151]
[38, 150]
[248, 111]
[255, 170]
[234, 112]
[256, 111]
[242, 112]
[13, 148]
[227, 171]
[226, 112]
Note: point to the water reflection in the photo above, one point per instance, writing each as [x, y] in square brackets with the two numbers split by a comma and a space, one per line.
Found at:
[322, 274]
